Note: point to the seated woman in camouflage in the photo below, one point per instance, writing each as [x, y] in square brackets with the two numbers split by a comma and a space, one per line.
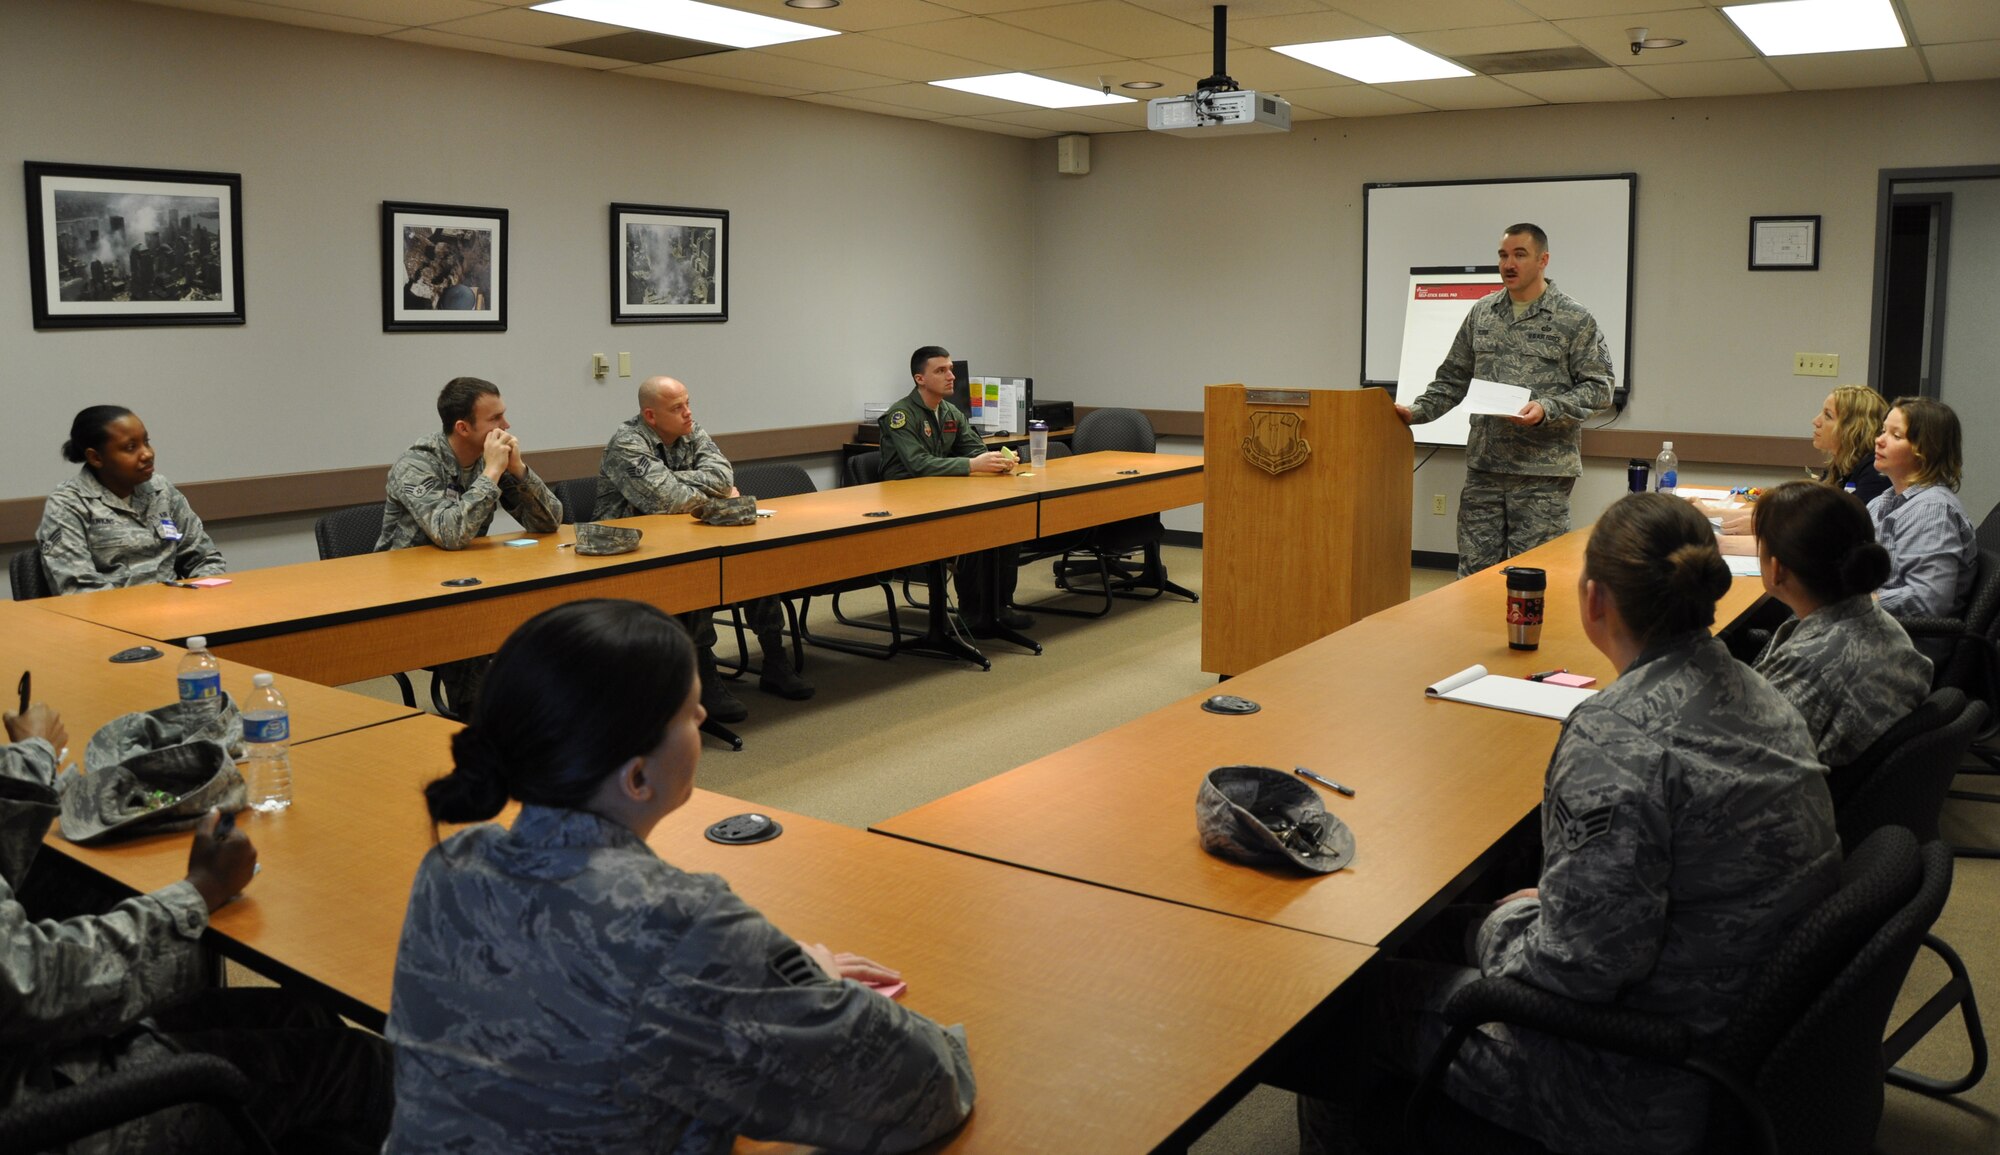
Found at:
[117, 523]
[1843, 661]
[1685, 826]
[561, 988]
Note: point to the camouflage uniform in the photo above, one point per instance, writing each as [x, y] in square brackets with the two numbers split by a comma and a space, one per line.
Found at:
[436, 501]
[1851, 671]
[75, 996]
[559, 988]
[1518, 477]
[641, 474]
[92, 539]
[919, 443]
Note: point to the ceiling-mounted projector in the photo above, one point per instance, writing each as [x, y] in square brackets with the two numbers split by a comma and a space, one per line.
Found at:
[1238, 111]
[1216, 104]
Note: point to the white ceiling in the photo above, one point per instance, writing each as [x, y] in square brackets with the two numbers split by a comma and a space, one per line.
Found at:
[889, 49]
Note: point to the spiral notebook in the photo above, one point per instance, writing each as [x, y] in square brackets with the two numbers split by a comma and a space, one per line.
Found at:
[1474, 685]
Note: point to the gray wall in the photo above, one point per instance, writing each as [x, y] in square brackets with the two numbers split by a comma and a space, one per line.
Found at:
[1971, 372]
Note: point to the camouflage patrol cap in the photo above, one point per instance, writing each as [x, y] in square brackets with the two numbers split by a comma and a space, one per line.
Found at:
[130, 735]
[595, 539]
[727, 511]
[156, 791]
[1259, 815]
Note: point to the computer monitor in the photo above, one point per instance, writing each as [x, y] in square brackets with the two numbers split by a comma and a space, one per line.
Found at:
[961, 385]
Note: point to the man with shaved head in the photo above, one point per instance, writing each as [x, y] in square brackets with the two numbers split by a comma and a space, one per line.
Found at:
[662, 462]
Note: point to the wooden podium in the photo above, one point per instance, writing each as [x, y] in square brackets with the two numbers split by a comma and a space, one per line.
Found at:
[1306, 520]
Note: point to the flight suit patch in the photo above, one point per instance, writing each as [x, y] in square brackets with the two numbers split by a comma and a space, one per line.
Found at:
[898, 419]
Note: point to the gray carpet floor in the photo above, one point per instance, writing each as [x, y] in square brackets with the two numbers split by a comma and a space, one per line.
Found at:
[882, 737]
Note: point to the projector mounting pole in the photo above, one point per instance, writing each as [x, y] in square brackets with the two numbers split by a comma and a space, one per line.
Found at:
[1221, 80]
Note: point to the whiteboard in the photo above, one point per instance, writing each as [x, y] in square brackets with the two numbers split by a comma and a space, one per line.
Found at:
[1434, 308]
[1589, 221]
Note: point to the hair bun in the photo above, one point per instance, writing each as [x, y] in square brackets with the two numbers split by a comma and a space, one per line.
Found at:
[1864, 568]
[476, 788]
[1698, 573]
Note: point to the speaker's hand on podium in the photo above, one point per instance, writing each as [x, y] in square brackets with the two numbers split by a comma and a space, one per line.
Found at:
[1403, 414]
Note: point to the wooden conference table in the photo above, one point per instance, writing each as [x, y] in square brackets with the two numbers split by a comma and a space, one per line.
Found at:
[1098, 1021]
[73, 673]
[1437, 783]
[360, 617]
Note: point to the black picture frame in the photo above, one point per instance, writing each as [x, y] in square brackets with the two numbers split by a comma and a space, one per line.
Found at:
[444, 268]
[97, 234]
[1784, 244]
[660, 253]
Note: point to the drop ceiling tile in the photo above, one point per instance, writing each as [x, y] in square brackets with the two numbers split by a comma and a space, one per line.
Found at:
[1708, 78]
[1352, 100]
[1978, 60]
[503, 48]
[991, 42]
[848, 101]
[1461, 92]
[1709, 34]
[860, 52]
[1582, 86]
[997, 127]
[291, 16]
[1873, 69]
[1303, 28]
[1429, 15]
[407, 13]
[859, 16]
[1258, 68]
[988, 7]
[522, 26]
[1530, 37]
[1059, 120]
[1115, 27]
[1583, 9]
[1117, 72]
[1202, 12]
[700, 80]
[764, 68]
[943, 101]
[1953, 21]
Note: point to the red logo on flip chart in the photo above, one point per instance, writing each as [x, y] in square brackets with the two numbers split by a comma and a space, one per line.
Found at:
[1454, 292]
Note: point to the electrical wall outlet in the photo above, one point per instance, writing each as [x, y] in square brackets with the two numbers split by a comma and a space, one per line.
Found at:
[1815, 364]
[1437, 504]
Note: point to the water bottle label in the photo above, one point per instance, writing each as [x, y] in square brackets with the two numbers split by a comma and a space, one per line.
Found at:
[197, 686]
[262, 731]
[1669, 479]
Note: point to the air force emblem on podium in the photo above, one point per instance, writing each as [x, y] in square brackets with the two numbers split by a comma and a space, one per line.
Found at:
[1276, 443]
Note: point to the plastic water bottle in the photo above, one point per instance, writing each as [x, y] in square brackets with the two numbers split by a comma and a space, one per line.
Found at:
[200, 680]
[1666, 470]
[1038, 445]
[267, 735]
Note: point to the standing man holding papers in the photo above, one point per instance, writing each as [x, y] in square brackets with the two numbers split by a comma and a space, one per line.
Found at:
[1520, 468]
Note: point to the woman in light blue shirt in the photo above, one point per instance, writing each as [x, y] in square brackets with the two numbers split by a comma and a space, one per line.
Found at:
[1932, 552]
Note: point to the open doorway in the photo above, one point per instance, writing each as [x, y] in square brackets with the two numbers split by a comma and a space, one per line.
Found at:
[1936, 322]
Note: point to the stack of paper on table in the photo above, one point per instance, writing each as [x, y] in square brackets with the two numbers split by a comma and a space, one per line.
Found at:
[1473, 684]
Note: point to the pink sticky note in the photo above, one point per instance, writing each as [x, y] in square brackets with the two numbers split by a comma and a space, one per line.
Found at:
[888, 990]
[1577, 680]
[209, 582]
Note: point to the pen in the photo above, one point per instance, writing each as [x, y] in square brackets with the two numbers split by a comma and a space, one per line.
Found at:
[27, 687]
[1326, 782]
[1548, 673]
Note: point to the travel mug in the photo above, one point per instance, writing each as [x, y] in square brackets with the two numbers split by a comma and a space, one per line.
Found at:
[1635, 475]
[1526, 587]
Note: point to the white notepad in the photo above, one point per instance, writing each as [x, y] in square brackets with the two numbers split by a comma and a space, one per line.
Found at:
[1473, 684]
[1742, 565]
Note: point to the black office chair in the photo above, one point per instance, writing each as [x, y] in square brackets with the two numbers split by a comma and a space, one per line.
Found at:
[354, 530]
[1901, 780]
[30, 580]
[861, 469]
[1073, 554]
[1129, 431]
[1799, 1066]
[53, 1120]
[579, 499]
[761, 480]
[1972, 664]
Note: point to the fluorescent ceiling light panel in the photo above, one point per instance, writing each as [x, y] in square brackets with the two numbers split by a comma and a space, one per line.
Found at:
[1374, 60]
[689, 20]
[1796, 27]
[1022, 88]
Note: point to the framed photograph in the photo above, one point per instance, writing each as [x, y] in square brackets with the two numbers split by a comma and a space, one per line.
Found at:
[1784, 243]
[134, 246]
[444, 268]
[669, 264]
